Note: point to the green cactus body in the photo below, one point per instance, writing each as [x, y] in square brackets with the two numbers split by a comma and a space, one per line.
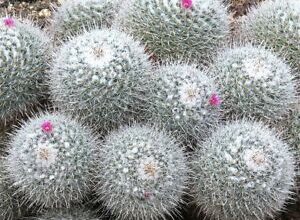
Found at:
[242, 172]
[141, 174]
[276, 24]
[49, 161]
[23, 63]
[170, 29]
[254, 82]
[68, 214]
[76, 16]
[184, 101]
[102, 76]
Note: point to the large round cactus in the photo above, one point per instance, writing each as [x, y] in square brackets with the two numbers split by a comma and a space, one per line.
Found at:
[69, 214]
[76, 16]
[190, 29]
[101, 76]
[276, 24]
[49, 160]
[141, 173]
[185, 101]
[243, 171]
[254, 82]
[23, 62]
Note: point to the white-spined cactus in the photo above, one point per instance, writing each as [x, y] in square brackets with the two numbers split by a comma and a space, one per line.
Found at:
[49, 161]
[185, 101]
[254, 82]
[74, 213]
[102, 76]
[189, 29]
[243, 171]
[73, 17]
[141, 174]
[23, 62]
[276, 23]
[9, 207]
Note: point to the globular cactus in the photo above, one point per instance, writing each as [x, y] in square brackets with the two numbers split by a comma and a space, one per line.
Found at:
[49, 161]
[23, 63]
[9, 207]
[186, 101]
[254, 82]
[190, 29]
[102, 76]
[242, 172]
[75, 16]
[69, 214]
[276, 24]
[141, 173]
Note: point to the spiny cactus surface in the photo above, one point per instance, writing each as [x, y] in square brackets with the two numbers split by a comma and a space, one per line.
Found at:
[23, 63]
[254, 82]
[102, 76]
[49, 160]
[141, 174]
[185, 101]
[176, 29]
[277, 25]
[75, 16]
[243, 171]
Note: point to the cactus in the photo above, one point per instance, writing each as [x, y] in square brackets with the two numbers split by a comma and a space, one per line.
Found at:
[68, 214]
[186, 101]
[141, 173]
[176, 29]
[276, 23]
[102, 76]
[243, 171]
[49, 161]
[75, 16]
[254, 82]
[23, 62]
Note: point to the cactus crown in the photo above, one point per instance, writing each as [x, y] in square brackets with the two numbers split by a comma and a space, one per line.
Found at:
[185, 29]
[243, 158]
[141, 173]
[101, 76]
[49, 160]
[254, 82]
[23, 57]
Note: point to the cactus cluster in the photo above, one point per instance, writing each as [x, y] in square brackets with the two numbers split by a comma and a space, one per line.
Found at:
[254, 82]
[49, 160]
[74, 213]
[76, 16]
[185, 101]
[141, 173]
[102, 76]
[277, 25]
[23, 63]
[177, 29]
[244, 171]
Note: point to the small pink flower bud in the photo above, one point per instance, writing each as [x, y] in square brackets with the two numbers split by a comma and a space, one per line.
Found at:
[186, 3]
[215, 100]
[9, 22]
[47, 127]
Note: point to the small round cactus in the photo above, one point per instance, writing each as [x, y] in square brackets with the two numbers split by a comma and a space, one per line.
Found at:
[102, 76]
[23, 63]
[68, 214]
[75, 16]
[49, 160]
[276, 24]
[243, 171]
[186, 101]
[141, 173]
[254, 82]
[190, 29]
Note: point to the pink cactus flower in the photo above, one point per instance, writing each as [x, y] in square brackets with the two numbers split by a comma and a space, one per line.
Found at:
[9, 22]
[215, 100]
[47, 127]
[186, 3]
